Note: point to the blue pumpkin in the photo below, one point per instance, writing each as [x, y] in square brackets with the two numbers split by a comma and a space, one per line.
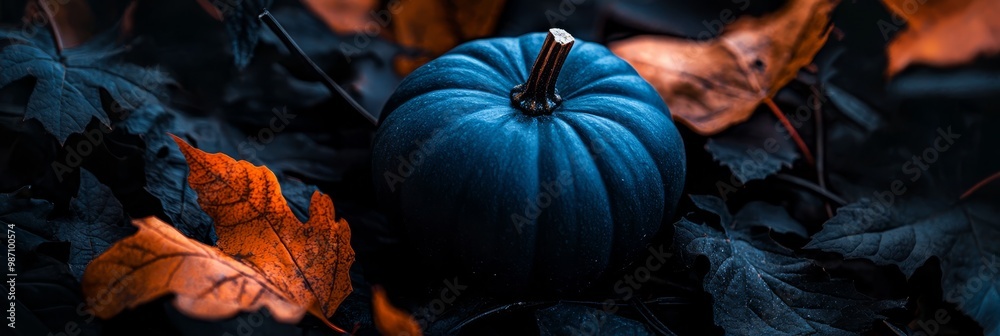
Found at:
[530, 181]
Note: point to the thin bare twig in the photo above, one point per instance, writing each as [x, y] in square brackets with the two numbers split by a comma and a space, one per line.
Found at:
[980, 185]
[293, 47]
[809, 185]
[53, 26]
[651, 318]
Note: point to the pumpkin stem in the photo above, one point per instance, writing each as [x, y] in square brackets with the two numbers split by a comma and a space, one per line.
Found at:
[538, 95]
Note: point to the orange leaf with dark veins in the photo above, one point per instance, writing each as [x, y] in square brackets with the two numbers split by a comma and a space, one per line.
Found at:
[159, 260]
[715, 84]
[310, 261]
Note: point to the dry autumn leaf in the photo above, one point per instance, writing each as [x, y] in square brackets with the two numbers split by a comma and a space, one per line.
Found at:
[718, 83]
[310, 261]
[389, 320]
[277, 261]
[942, 32]
[158, 260]
[349, 16]
[436, 26]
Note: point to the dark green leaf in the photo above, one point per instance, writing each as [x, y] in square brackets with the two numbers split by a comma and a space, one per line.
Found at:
[762, 288]
[760, 214]
[48, 299]
[67, 93]
[754, 149]
[167, 171]
[908, 231]
[243, 26]
[94, 221]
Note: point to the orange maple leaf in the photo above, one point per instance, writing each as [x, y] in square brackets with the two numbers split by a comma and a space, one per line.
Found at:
[268, 257]
[436, 26]
[943, 33]
[719, 83]
[390, 320]
[309, 262]
[159, 260]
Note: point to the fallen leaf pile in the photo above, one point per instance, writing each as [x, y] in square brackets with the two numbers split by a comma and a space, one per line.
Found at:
[715, 84]
[942, 32]
[865, 202]
[780, 295]
[266, 257]
[69, 83]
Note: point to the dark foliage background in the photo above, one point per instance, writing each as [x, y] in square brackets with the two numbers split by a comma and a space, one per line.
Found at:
[218, 84]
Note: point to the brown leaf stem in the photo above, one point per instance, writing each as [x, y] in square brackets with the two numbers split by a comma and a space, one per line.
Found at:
[980, 185]
[791, 131]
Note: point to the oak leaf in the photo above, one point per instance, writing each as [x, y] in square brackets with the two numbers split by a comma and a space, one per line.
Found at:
[69, 84]
[760, 287]
[715, 84]
[390, 320]
[159, 260]
[436, 26]
[310, 262]
[942, 32]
